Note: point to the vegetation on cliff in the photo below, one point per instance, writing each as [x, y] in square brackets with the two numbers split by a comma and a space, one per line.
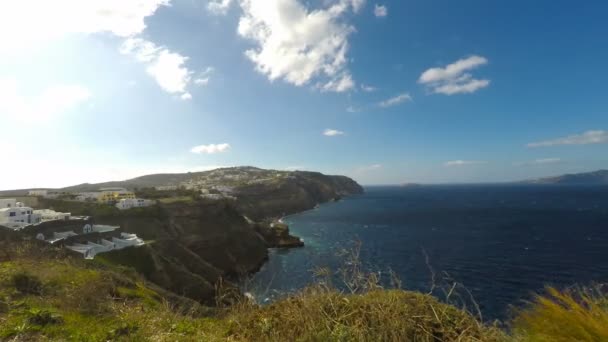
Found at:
[48, 295]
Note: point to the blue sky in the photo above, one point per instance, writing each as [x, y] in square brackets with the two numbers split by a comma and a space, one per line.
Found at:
[385, 92]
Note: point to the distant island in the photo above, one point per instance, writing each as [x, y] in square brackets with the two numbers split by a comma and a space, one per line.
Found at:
[599, 177]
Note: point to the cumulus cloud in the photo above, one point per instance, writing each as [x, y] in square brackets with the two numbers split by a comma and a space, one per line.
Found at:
[52, 101]
[463, 162]
[332, 132]
[380, 11]
[211, 148]
[586, 138]
[166, 67]
[393, 101]
[297, 44]
[455, 78]
[219, 7]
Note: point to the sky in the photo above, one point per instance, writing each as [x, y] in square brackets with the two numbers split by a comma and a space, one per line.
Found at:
[387, 92]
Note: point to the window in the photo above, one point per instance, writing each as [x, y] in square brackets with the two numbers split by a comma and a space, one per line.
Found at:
[12, 214]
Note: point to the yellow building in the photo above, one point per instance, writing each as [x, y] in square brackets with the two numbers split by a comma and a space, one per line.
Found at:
[115, 194]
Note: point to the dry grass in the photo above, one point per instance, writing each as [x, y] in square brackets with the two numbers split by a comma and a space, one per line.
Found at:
[322, 314]
[570, 315]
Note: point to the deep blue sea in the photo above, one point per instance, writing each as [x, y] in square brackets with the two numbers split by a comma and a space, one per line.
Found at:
[501, 242]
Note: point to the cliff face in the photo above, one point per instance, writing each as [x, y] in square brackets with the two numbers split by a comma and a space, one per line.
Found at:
[301, 191]
[190, 245]
[194, 243]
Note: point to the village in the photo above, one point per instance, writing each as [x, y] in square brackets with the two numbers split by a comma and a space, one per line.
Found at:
[76, 233]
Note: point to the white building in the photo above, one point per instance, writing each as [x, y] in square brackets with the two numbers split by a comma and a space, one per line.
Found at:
[88, 196]
[166, 187]
[18, 217]
[42, 193]
[52, 215]
[90, 249]
[129, 203]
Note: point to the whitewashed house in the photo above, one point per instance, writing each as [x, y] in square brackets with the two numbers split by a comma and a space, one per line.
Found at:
[128, 203]
[88, 196]
[42, 193]
[16, 216]
[90, 249]
[52, 215]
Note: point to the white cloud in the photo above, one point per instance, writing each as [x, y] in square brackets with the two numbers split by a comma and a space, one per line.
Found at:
[393, 101]
[186, 96]
[332, 132]
[26, 24]
[380, 11]
[211, 148]
[463, 163]
[339, 85]
[589, 137]
[219, 7]
[51, 102]
[297, 44]
[204, 77]
[368, 88]
[166, 67]
[543, 161]
[454, 79]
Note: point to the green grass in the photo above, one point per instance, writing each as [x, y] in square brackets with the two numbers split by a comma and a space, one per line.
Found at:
[179, 199]
[45, 296]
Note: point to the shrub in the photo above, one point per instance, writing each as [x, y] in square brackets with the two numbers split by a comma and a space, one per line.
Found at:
[125, 329]
[43, 317]
[27, 284]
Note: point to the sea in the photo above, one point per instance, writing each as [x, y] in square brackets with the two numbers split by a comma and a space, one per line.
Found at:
[494, 246]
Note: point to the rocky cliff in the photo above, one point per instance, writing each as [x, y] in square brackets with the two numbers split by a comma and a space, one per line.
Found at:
[298, 192]
[194, 242]
[191, 245]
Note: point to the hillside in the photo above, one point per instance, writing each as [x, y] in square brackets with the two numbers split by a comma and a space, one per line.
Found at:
[190, 244]
[194, 241]
[260, 194]
[48, 295]
[599, 177]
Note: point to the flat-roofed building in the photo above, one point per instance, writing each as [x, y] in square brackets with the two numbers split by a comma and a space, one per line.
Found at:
[18, 217]
[115, 194]
[129, 203]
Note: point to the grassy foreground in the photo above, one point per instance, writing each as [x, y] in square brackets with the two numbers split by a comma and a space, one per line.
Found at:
[44, 296]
